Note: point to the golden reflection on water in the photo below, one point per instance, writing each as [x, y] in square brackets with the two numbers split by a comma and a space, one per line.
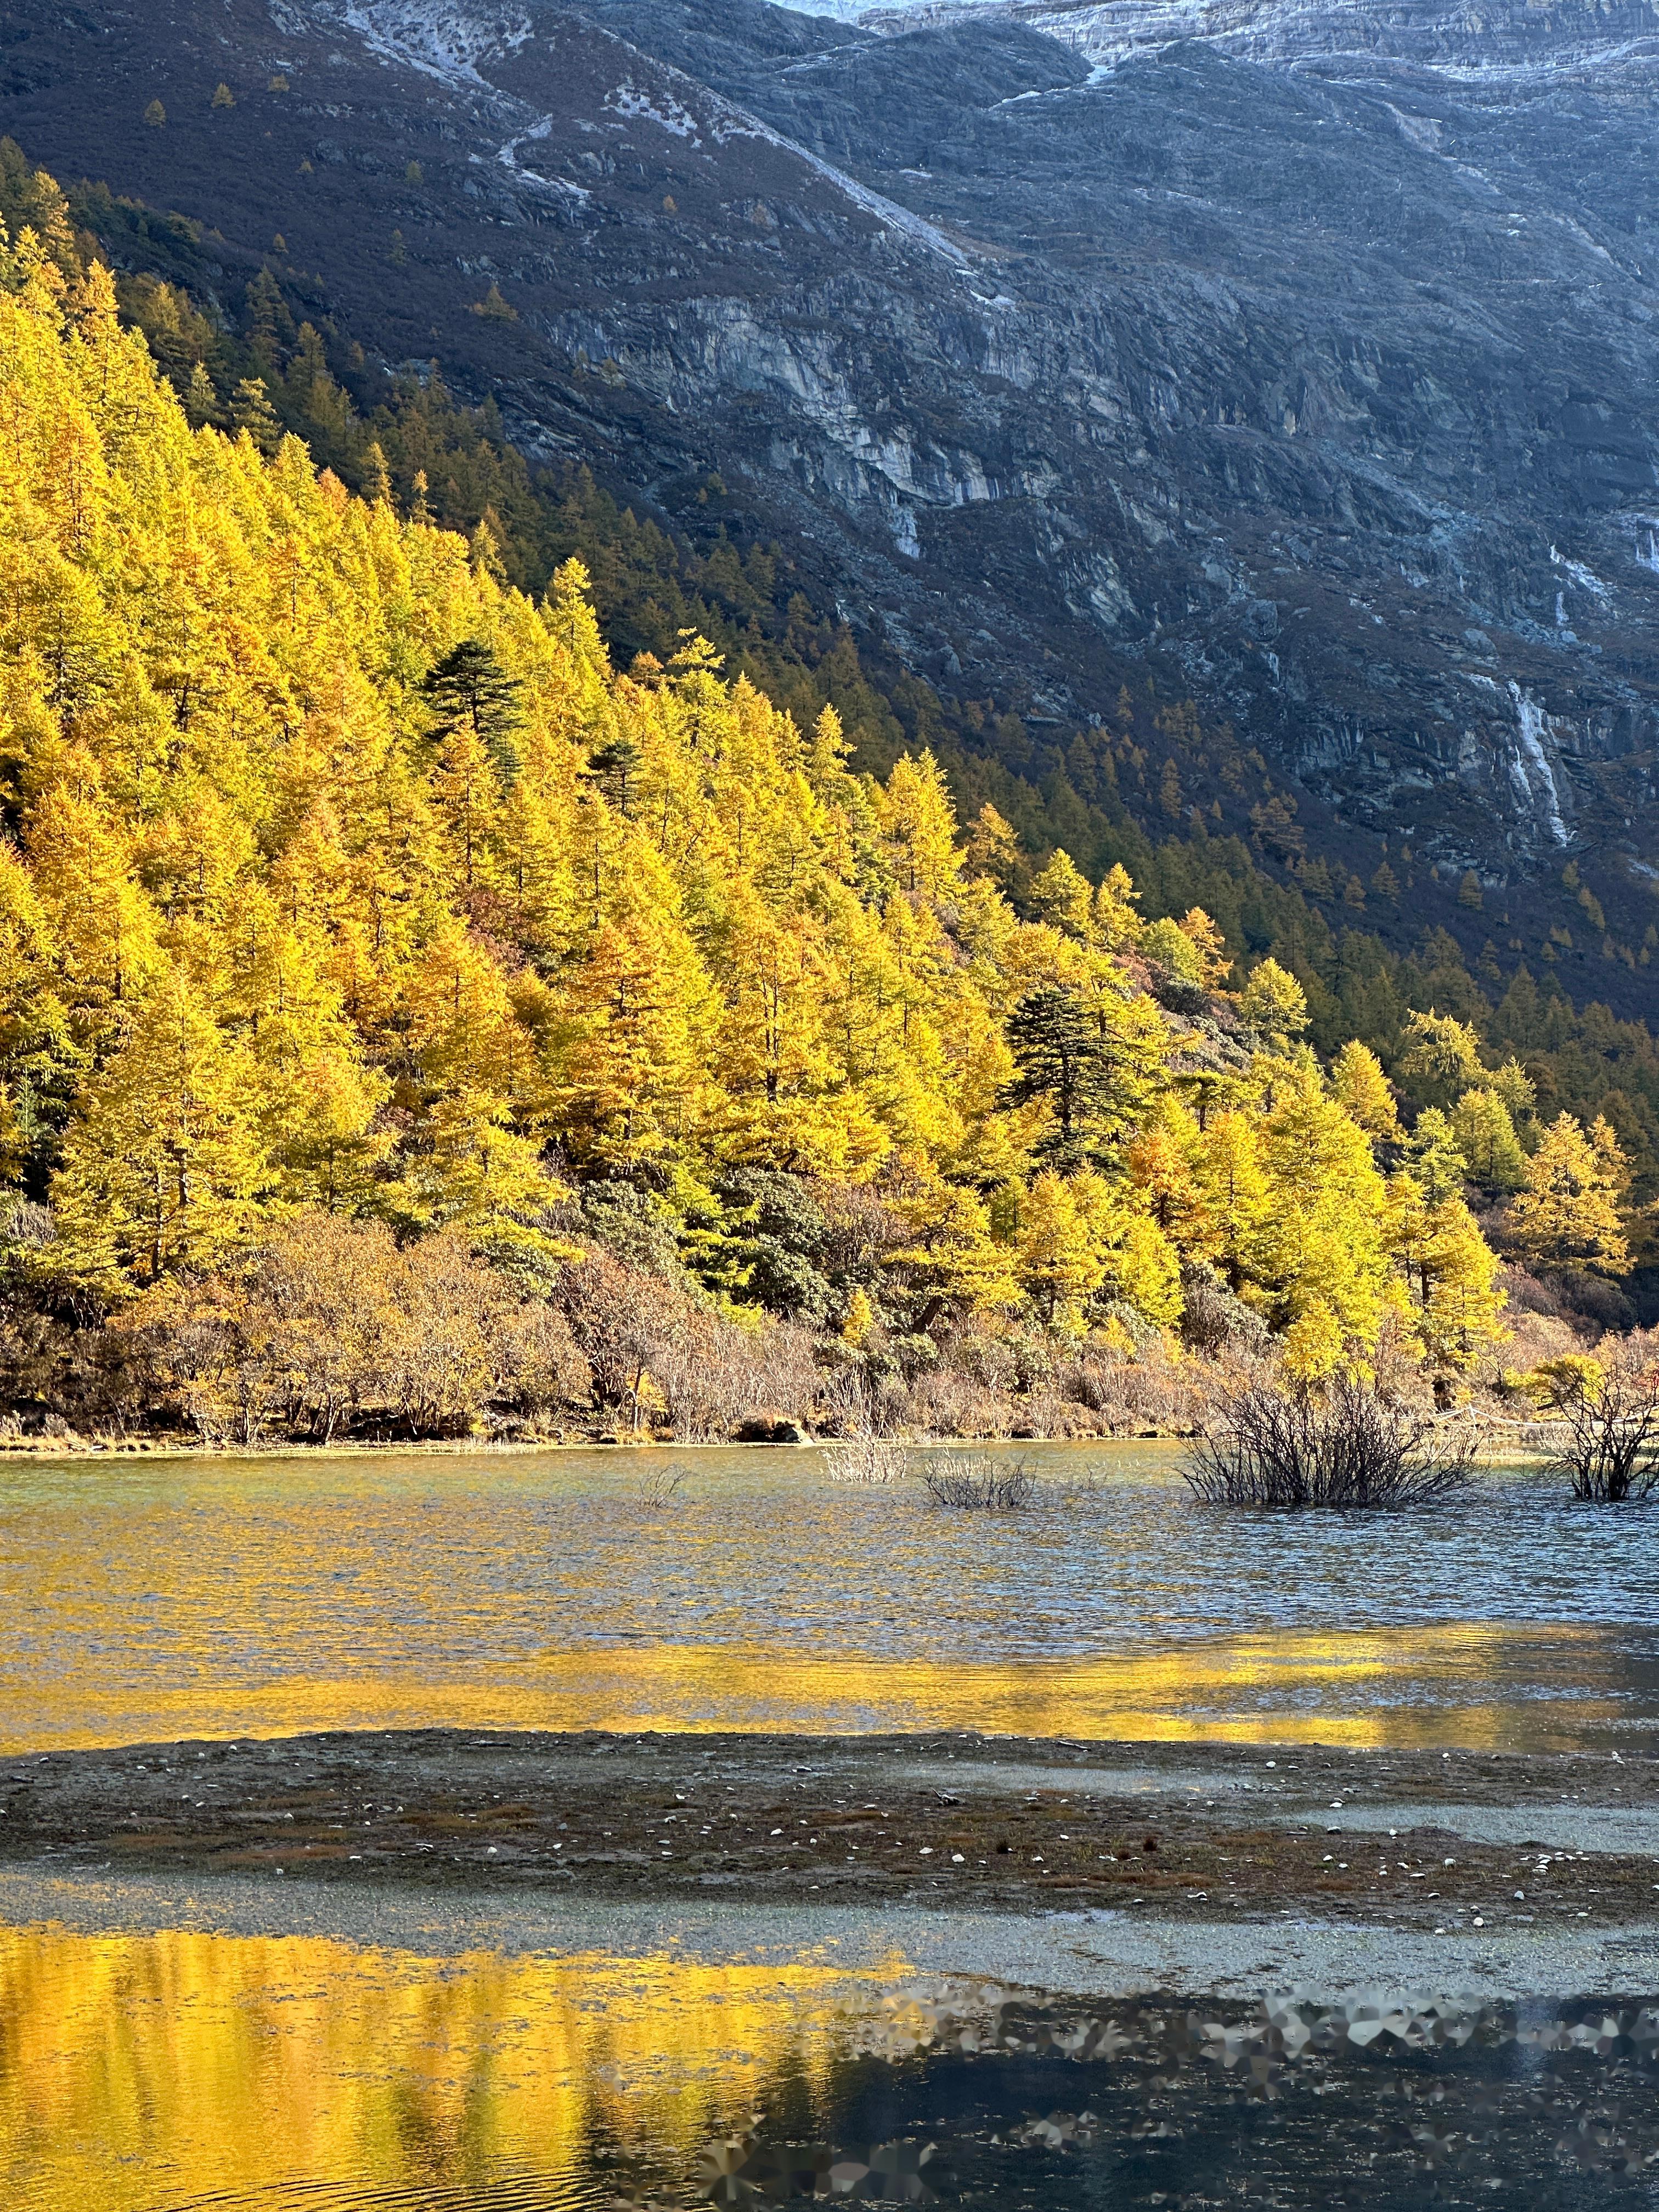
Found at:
[1401, 1687]
[269, 1597]
[152, 2070]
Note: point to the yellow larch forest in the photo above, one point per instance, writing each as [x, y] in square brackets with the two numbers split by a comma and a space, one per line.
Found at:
[345, 884]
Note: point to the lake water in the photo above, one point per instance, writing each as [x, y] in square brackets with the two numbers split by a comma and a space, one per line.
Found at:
[173, 2069]
[173, 2072]
[151, 1599]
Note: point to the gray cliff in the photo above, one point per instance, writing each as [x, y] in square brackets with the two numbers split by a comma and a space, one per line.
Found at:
[1300, 357]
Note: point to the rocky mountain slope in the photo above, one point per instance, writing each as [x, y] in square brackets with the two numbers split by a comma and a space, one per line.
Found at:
[1299, 358]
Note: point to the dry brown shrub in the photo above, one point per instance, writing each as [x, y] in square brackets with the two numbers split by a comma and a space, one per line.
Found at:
[873, 1462]
[1048, 1413]
[1525, 1294]
[1606, 1440]
[987, 1358]
[656, 1350]
[714, 1378]
[332, 1327]
[944, 1401]
[1154, 1387]
[624, 1322]
[972, 1482]
[316, 1323]
[1093, 1379]
[1345, 1448]
[465, 1343]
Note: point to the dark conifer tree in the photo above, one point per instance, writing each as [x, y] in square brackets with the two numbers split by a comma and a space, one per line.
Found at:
[1060, 1055]
[468, 688]
[615, 766]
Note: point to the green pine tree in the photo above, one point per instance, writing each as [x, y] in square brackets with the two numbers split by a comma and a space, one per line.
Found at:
[467, 687]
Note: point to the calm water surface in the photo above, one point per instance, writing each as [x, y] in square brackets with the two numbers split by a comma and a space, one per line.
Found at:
[155, 1600]
[172, 2072]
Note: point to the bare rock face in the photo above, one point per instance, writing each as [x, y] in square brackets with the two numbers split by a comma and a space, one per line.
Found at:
[1301, 355]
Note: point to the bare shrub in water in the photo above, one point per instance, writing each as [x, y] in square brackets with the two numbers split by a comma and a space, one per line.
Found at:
[875, 1462]
[659, 1487]
[1347, 1448]
[975, 1484]
[1609, 1407]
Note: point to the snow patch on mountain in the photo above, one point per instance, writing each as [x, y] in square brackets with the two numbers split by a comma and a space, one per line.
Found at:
[667, 114]
[559, 187]
[1448, 38]
[1532, 772]
[436, 37]
[853, 11]
[738, 122]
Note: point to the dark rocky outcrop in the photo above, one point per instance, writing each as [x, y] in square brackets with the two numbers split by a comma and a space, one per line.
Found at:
[1306, 364]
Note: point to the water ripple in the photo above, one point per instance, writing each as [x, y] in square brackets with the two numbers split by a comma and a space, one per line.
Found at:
[218, 1596]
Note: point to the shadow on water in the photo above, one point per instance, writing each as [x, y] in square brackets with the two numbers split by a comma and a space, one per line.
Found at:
[156, 2073]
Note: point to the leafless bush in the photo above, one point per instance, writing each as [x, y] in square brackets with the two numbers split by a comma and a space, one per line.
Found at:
[982, 1358]
[875, 1462]
[703, 1376]
[658, 1486]
[857, 1402]
[1068, 1484]
[1094, 1380]
[945, 1403]
[1347, 1448]
[461, 1343]
[785, 1373]
[1524, 1293]
[1147, 1389]
[625, 1322]
[1607, 1443]
[978, 1485]
[844, 1397]
[1055, 1418]
[656, 1352]
[1214, 1319]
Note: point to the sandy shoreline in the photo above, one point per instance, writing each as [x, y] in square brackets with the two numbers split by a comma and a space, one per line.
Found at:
[1094, 1867]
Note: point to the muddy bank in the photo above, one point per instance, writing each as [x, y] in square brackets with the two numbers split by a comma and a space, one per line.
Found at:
[1411, 1841]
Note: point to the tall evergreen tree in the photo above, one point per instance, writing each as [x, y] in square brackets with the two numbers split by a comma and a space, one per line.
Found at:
[1567, 1216]
[162, 1166]
[467, 687]
[1094, 1078]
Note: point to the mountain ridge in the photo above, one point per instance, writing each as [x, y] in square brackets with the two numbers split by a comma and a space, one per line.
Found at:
[1437, 34]
[1069, 374]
